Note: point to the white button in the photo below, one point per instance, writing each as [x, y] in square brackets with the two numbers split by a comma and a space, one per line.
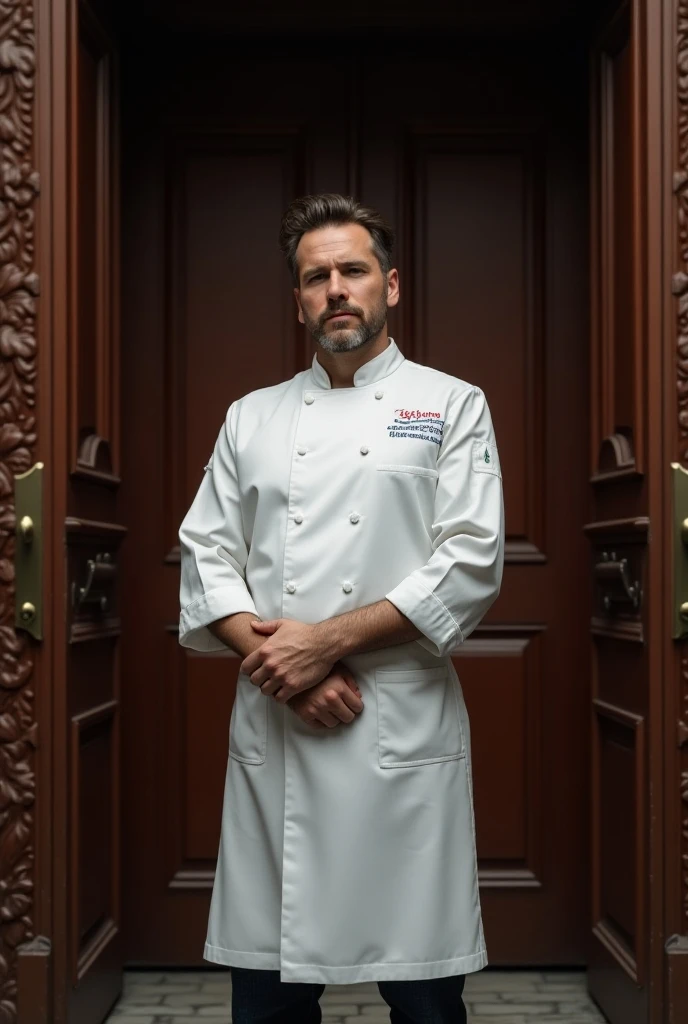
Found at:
[346, 587]
[301, 450]
[364, 450]
[308, 399]
[291, 587]
[379, 394]
[298, 518]
[354, 517]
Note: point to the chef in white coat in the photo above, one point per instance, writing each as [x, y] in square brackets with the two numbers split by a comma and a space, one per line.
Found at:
[346, 537]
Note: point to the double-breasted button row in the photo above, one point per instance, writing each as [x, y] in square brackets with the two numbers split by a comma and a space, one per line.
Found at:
[290, 587]
[309, 399]
[354, 517]
[302, 450]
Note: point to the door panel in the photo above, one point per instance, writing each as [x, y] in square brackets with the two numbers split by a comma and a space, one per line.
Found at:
[491, 215]
[488, 196]
[88, 937]
[619, 531]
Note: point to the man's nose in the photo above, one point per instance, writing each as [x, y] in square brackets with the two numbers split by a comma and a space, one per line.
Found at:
[336, 288]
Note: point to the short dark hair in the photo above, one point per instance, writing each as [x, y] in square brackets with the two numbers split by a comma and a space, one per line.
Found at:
[319, 211]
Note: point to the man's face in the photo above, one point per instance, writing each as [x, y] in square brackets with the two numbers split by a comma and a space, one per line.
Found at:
[343, 296]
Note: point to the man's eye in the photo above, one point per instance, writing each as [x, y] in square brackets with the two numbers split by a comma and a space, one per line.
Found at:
[316, 277]
[356, 270]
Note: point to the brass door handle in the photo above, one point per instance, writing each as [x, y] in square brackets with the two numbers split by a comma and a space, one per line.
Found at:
[28, 551]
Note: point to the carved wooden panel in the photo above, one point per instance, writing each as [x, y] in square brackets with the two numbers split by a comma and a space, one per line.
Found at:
[18, 290]
[478, 216]
[617, 291]
[677, 830]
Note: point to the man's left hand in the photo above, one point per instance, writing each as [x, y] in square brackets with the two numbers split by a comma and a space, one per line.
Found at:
[291, 660]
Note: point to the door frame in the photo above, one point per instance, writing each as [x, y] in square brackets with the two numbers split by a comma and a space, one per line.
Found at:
[26, 833]
[39, 103]
[658, 582]
[669, 301]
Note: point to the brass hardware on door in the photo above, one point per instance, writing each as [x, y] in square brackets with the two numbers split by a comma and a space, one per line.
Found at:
[27, 612]
[680, 551]
[618, 591]
[25, 529]
[28, 551]
[101, 571]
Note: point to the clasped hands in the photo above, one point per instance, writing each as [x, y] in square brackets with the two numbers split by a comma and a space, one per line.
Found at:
[293, 667]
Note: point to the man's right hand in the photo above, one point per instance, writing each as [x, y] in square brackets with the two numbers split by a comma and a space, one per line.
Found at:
[335, 699]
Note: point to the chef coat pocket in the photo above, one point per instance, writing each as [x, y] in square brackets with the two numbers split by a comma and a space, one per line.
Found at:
[402, 467]
[248, 725]
[418, 719]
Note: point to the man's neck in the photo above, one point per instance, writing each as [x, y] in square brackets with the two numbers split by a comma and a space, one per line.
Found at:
[341, 366]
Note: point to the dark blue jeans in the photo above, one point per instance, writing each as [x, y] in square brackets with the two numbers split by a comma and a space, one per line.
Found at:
[259, 997]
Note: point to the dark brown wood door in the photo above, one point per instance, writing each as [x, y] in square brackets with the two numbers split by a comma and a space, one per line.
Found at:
[484, 173]
[80, 229]
[626, 529]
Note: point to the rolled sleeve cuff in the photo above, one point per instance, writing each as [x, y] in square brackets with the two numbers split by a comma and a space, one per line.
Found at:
[216, 604]
[428, 614]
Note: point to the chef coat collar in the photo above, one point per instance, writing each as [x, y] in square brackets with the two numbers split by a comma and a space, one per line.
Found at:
[375, 369]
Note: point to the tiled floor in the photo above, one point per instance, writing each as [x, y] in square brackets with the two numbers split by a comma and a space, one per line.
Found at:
[492, 997]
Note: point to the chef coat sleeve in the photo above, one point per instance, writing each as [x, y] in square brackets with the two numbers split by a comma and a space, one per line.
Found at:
[213, 549]
[447, 597]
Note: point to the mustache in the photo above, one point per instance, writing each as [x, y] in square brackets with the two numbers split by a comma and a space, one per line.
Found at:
[342, 309]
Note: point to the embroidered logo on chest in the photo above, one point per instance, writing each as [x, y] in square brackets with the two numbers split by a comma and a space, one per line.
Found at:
[421, 424]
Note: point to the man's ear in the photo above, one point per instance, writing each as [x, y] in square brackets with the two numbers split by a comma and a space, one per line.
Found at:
[392, 287]
[297, 296]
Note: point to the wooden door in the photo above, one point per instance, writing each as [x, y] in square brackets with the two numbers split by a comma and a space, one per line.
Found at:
[491, 206]
[80, 229]
[626, 530]
[484, 174]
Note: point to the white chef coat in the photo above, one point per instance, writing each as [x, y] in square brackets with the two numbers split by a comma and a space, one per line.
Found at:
[348, 854]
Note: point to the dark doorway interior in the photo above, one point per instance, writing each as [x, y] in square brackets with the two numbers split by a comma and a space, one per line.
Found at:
[468, 128]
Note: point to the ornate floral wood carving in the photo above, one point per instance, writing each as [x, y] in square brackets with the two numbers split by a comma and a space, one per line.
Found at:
[680, 279]
[18, 290]
[680, 289]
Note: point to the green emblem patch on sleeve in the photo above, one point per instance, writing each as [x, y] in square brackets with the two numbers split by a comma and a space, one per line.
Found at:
[486, 458]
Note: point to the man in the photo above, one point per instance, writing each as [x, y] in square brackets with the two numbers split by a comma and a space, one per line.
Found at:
[357, 510]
